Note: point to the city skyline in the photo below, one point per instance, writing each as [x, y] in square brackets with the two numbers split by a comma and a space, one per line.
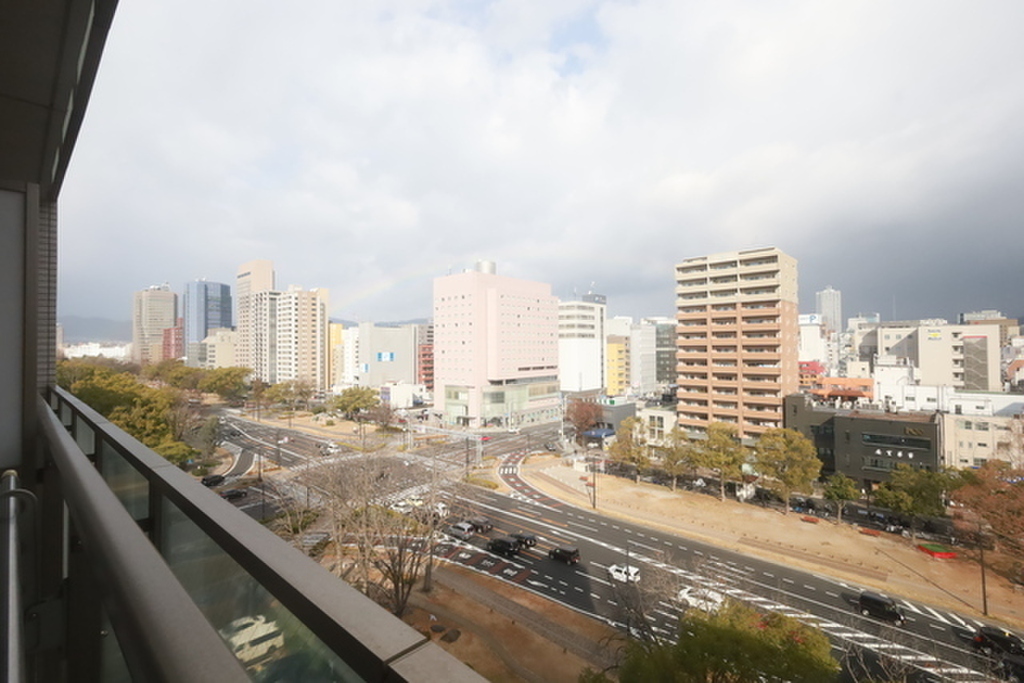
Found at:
[590, 145]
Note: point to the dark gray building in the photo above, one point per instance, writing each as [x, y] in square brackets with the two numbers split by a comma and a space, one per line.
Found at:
[865, 445]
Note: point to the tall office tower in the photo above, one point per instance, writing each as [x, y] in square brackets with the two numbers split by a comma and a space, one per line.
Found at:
[829, 307]
[737, 340]
[207, 306]
[495, 349]
[155, 310]
[253, 277]
[298, 341]
[581, 344]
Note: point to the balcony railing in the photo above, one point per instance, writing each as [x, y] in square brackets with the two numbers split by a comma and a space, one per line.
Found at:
[194, 589]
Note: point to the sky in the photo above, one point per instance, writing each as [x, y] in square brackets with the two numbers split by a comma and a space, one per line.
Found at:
[370, 147]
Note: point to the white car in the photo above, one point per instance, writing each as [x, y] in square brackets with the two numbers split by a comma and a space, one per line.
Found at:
[461, 530]
[624, 573]
[704, 599]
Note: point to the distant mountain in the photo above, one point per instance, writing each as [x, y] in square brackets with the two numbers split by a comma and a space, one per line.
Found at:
[78, 330]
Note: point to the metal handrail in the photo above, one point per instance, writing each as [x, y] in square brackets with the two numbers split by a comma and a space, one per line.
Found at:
[13, 635]
[162, 633]
[370, 640]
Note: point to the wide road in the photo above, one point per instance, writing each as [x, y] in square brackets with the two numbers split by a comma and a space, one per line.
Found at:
[934, 640]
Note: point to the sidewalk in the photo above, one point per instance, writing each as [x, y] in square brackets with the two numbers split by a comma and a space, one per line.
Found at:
[887, 562]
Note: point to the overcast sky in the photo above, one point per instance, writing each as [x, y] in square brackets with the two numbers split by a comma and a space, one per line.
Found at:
[368, 147]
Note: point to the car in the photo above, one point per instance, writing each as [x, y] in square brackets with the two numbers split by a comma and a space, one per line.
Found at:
[994, 640]
[624, 573]
[704, 599]
[485, 438]
[461, 530]
[480, 524]
[550, 447]
[880, 606]
[564, 553]
[234, 494]
[213, 480]
[524, 539]
[503, 545]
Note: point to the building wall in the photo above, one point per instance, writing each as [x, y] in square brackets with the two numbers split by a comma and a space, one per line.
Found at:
[581, 346]
[219, 349]
[387, 354]
[252, 277]
[971, 441]
[335, 353]
[205, 306]
[495, 349]
[829, 306]
[301, 337]
[155, 310]
[665, 350]
[866, 446]
[738, 339]
[643, 367]
[618, 372]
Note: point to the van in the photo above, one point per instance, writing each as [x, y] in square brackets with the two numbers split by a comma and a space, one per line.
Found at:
[880, 607]
[504, 545]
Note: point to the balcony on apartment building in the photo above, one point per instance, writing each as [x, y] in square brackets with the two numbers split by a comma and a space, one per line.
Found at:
[116, 564]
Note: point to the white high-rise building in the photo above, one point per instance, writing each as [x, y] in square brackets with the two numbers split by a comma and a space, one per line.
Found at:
[581, 344]
[155, 310]
[253, 277]
[495, 349]
[829, 307]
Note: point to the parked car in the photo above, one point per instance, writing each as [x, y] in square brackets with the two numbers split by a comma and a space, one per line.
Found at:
[880, 607]
[566, 554]
[503, 545]
[704, 599]
[480, 524]
[461, 530]
[213, 480]
[234, 494]
[994, 640]
[624, 573]
[524, 539]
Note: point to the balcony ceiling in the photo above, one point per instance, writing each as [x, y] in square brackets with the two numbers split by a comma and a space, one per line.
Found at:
[49, 53]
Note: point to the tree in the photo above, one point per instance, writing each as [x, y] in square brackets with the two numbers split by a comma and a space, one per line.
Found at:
[677, 456]
[735, 645]
[630, 447]
[914, 493]
[355, 400]
[840, 488]
[207, 437]
[995, 494]
[228, 383]
[582, 415]
[788, 460]
[722, 453]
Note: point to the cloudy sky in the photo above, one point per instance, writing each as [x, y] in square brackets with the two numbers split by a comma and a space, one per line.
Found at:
[368, 147]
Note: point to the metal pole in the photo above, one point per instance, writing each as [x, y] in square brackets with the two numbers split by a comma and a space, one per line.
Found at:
[984, 588]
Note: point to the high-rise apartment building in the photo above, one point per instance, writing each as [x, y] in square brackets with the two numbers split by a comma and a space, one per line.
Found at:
[664, 349]
[581, 344]
[155, 310]
[253, 277]
[207, 306]
[829, 307]
[495, 349]
[298, 341]
[618, 371]
[737, 339]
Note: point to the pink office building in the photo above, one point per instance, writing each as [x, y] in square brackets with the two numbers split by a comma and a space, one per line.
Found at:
[495, 350]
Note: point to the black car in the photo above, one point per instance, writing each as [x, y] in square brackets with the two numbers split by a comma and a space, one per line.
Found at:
[1011, 668]
[480, 524]
[213, 480]
[880, 607]
[234, 494]
[565, 554]
[995, 640]
[524, 539]
[505, 545]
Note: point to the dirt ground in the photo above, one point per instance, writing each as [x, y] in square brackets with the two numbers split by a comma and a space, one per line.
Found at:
[505, 649]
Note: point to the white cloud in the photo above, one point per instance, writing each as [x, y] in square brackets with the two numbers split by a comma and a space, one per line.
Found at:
[368, 147]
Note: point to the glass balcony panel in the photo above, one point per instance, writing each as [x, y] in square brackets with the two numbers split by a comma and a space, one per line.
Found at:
[85, 437]
[269, 641]
[130, 487]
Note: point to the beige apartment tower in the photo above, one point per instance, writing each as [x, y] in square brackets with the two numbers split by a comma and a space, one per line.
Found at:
[736, 340]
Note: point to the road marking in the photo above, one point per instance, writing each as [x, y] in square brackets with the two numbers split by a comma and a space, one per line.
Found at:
[937, 627]
[786, 580]
[810, 588]
[831, 594]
